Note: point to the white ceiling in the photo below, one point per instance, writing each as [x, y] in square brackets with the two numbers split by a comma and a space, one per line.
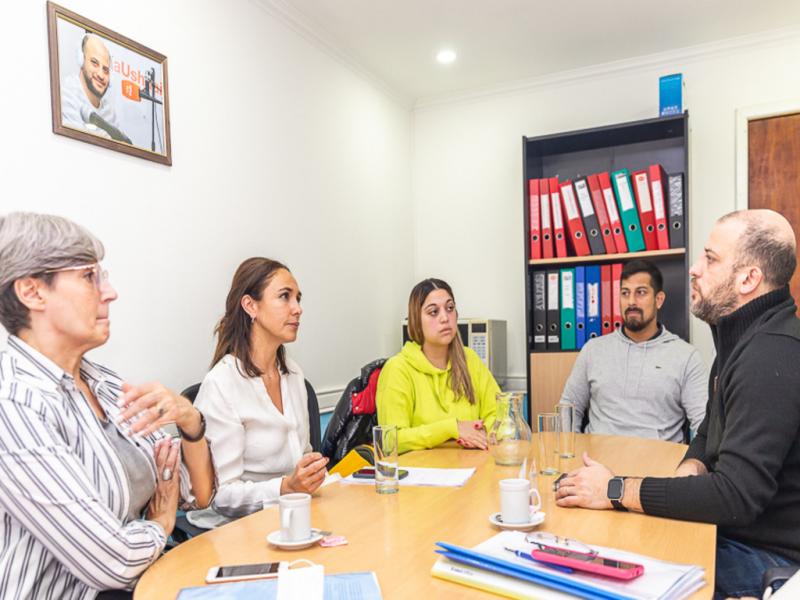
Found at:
[502, 41]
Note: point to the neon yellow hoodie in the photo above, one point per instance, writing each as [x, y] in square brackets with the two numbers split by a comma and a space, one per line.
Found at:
[417, 397]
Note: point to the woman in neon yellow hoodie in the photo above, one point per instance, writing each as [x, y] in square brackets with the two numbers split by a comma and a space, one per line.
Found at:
[436, 390]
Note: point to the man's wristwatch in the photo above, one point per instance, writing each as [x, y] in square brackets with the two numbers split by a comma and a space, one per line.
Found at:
[200, 435]
[616, 490]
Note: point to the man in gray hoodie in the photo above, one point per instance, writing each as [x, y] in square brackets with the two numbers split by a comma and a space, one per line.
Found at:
[641, 380]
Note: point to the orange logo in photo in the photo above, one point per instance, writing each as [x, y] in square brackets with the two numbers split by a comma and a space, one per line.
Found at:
[130, 90]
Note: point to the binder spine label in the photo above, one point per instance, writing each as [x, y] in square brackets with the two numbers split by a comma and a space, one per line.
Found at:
[584, 198]
[676, 196]
[544, 203]
[567, 297]
[592, 299]
[611, 205]
[558, 221]
[658, 201]
[539, 309]
[625, 198]
[569, 203]
[644, 193]
[552, 291]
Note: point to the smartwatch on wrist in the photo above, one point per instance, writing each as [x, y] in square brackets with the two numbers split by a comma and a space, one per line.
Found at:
[615, 492]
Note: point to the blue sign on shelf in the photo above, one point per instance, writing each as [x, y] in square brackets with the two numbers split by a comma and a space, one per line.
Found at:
[670, 95]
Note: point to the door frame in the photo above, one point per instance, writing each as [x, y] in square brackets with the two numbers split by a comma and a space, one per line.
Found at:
[743, 116]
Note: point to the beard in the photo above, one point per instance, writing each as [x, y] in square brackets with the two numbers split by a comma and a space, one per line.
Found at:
[720, 301]
[637, 325]
[90, 84]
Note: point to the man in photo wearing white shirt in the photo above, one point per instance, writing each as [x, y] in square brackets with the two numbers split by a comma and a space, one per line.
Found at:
[84, 104]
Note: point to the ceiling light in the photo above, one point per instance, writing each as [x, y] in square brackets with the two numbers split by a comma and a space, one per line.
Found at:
[446, 56]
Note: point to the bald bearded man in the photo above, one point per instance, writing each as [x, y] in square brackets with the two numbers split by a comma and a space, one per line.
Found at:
[742, 470]
[84, 104]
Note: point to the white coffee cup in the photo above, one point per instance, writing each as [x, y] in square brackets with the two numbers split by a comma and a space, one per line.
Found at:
[295, 517]
[515, 501]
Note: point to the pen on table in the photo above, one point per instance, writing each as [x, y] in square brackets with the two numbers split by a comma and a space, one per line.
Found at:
[527, 556]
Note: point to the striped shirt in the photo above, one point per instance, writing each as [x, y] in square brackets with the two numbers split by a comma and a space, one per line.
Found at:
[63, 492]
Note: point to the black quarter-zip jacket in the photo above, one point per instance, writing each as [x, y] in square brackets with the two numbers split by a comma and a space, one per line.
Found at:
[750, 438]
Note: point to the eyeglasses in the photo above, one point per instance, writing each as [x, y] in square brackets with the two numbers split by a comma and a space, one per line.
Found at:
[96, 273]
[548, 540]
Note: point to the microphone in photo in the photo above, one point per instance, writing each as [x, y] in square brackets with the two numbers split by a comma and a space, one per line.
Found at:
[92, 118]
[148, 92]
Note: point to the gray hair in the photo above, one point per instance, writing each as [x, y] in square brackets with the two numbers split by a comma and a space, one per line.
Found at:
[31, 243]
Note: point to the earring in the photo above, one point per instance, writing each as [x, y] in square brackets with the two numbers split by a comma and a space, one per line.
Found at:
[253, 319]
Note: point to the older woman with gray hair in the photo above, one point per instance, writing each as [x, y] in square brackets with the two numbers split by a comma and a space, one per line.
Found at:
[82, 454]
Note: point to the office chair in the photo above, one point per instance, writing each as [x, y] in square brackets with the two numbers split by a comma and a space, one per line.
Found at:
[314, 427]
[191, 392]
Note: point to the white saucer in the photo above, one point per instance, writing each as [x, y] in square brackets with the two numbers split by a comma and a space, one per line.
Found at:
[537, 519]
[274, 538]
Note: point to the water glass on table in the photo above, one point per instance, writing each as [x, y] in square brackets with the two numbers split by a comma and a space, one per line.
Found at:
[566, 429]
[384, 438]
[548, 443]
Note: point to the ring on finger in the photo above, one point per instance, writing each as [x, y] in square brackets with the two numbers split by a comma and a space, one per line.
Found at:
[166, 474]
[161, 411]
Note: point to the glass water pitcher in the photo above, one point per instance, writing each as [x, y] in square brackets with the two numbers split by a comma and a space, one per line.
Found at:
[509, 436]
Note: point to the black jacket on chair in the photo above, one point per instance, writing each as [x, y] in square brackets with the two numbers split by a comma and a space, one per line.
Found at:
[347, 430]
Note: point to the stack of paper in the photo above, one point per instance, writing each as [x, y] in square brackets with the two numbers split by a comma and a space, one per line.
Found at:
[490, 567]
[421, 476]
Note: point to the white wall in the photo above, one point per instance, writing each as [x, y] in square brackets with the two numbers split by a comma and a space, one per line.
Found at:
[278, 150]
[467, 166]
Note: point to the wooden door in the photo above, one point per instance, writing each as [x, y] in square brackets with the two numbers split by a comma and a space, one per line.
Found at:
[773, 149]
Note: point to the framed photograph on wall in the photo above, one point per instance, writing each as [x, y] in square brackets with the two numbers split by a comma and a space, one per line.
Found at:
[107, 89]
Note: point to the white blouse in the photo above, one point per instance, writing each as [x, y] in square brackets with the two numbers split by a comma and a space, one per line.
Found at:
[253, 444]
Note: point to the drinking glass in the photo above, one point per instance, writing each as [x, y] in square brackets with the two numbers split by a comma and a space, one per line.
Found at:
[548, 443]
[384, 438]
[566, 429]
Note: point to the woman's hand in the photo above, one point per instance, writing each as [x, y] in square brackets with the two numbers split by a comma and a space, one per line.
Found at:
[164, 502]
[151, 406]
[471, 434]
[307, 476]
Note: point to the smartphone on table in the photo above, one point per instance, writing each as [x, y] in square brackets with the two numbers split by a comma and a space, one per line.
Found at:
[588, 562]
[225, 573]
[369, 473]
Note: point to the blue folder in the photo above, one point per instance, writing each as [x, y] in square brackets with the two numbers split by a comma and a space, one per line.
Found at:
[555, 581]
[580, 307]
[594, 326]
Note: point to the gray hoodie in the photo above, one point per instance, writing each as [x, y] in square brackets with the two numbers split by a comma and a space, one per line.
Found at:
[643, 389]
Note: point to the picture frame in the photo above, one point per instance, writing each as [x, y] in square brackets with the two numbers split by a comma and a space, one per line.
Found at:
[106, 89]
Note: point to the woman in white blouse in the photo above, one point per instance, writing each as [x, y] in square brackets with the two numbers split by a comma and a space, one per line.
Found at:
[254, 398]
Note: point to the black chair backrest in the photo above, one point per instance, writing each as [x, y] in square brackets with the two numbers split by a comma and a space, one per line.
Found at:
[346, 430]
[191, 392]
[314, 433]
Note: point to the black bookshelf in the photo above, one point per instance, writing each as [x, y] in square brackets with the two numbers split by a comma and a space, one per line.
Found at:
[634, 146]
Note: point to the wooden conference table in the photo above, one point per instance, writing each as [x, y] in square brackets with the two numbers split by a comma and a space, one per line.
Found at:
[394, 535]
